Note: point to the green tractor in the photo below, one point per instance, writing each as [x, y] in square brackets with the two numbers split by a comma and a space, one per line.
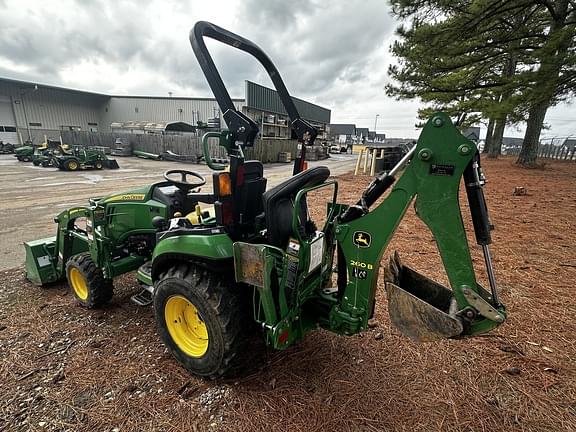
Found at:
[46, 155]
[85, 157]
[26, 152]
[256, 257]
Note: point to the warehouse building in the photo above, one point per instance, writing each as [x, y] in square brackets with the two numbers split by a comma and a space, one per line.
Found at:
[30, 111]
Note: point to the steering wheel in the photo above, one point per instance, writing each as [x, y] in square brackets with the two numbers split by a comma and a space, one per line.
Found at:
[183, 183]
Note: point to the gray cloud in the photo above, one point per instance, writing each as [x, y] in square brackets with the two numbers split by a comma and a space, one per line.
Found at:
[334, 53]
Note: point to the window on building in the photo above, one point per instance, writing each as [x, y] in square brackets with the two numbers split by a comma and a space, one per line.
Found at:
[92, 124]
[9, 128]
[35, 124]
[135, 109]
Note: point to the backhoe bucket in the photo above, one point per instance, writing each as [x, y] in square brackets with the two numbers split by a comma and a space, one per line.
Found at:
[420, 308]
[111, 164]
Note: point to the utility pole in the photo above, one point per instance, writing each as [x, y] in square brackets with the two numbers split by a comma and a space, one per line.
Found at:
[376, 122]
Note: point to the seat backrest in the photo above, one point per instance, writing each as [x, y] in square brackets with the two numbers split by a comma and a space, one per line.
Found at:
[279, 203]
[249, 201]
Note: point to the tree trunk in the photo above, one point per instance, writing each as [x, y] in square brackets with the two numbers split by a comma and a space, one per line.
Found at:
[497, 135]
[554, 52]
[489, 133]
[529, 152]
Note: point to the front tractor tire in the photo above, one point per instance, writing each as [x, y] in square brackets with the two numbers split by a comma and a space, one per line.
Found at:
[71, 165]
[87, 282]
[203, 320]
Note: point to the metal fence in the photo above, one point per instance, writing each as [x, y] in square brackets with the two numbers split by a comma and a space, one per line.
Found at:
[549, 151]
[265, 150]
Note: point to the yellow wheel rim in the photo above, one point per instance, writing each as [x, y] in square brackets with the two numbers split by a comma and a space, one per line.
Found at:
[73, 165]
[186, 327]
[79, 284]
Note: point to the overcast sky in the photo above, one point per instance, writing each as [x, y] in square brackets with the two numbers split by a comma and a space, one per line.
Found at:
[333, 53]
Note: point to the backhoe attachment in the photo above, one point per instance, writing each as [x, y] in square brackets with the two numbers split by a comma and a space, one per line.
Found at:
[430, 175]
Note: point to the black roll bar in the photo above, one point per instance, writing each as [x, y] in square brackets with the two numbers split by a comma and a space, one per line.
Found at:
[244, 128]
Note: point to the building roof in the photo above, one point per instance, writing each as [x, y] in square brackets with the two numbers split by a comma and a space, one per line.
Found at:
[266, 99]
[30, 84]
[362, 132]
[342, 129]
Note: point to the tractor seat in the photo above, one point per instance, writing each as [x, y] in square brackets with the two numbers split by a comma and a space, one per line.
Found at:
[279, 204]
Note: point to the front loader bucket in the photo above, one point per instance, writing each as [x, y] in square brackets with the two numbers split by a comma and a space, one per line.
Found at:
[111, 164]
[40, 261]
[420, 308]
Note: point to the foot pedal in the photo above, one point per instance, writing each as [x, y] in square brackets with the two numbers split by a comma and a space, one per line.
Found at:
[143, 298]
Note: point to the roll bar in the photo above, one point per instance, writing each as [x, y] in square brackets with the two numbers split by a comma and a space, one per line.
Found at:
[243, 128]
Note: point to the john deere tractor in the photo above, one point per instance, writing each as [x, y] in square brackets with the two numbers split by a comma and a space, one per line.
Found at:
[48, 152]
[215, 264]
[26, 152]
[85, 157]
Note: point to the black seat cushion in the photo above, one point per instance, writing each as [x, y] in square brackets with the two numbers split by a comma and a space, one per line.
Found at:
[279, 203]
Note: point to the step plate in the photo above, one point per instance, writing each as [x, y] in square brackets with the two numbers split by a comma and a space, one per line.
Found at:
[143, 298]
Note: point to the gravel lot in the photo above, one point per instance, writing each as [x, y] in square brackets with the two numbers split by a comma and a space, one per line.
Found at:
[31, 196]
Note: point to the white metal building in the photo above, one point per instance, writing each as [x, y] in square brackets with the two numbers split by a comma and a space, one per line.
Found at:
[32, 111]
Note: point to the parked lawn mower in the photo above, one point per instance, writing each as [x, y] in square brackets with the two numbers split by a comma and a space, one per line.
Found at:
[259, 258]
[6, 148]
[26, 152]
[85, 157]
[46, 155]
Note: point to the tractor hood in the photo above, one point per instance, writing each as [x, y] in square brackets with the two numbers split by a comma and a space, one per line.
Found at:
[24, 150]
[134, 195]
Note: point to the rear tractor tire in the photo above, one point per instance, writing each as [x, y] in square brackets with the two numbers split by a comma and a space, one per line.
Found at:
[203, 320]
[87, 282]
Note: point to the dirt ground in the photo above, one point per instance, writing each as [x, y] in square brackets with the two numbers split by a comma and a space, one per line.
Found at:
[63, 368]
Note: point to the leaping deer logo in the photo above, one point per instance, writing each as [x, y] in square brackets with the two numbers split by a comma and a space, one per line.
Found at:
[362, 239]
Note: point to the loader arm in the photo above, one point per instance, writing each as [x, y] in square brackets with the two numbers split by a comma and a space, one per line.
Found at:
[423, 310]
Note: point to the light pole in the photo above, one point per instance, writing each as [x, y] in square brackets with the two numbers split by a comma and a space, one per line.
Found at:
[22, 94]
[375, 123]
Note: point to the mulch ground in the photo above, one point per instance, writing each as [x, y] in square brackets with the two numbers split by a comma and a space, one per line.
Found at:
[63, 368]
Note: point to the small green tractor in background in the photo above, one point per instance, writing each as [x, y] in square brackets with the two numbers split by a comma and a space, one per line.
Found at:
[257, 257]
[45, 155]
[26, 152]
[85, 157]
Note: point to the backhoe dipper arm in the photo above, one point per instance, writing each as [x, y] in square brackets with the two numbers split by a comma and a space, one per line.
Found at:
[244, 128]
[421, 308]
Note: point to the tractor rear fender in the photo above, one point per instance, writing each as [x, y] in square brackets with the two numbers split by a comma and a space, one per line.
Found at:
[212, 251]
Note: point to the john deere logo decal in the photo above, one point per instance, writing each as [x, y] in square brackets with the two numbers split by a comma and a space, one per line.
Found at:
[362, 239]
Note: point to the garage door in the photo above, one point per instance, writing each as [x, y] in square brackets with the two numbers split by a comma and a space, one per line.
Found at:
[8, 132]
